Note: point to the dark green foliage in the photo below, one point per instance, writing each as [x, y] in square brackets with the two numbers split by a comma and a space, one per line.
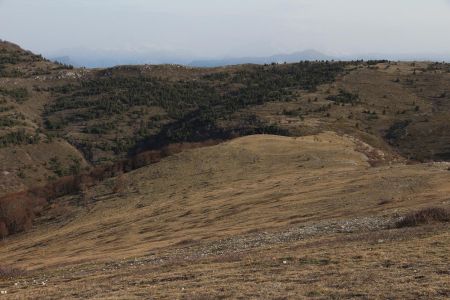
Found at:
[294, 113]
[303, 75]
[19, 137]
[56, 167]
[55, 123]
[397, 130]
[6, 108]
[10, 57]
[217, 76]
[63, 66]
[18, 94]
[193, 108]
[251, 124]
[115, 95]
[7, 122]
[376, 62]
[344, 97]
[100, 128]
[371, 115]
[75, 167]
[443, 67]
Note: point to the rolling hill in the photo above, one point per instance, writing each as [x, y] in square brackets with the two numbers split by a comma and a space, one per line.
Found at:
[106, 114]
[197, 223]
[308, 180]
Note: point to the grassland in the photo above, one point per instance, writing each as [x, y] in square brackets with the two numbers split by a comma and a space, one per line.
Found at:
[321, 188]
[260, 216]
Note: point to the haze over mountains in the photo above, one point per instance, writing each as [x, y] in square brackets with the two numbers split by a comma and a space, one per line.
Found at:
[98, 59]
[91, 58]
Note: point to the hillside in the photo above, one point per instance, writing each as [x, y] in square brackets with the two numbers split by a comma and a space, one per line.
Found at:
[110, 114]
[28, 155]
[309, 179]
[252, 207]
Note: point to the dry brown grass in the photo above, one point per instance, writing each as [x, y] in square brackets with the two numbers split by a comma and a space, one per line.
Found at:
[411, 264]
[181, 209]
[252, 183]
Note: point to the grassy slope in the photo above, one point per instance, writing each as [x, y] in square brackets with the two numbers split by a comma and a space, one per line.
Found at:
[231, 215]
[24, 79]
[247, 186]
[394, 264]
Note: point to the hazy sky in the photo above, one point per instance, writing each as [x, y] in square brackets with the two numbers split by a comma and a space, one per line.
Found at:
[229, 27]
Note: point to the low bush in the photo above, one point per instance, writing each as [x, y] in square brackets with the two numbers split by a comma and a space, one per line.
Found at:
[17, 212]
[20, 137]
[344, 97]
[10, 272]
[18, 94]
[424, 216]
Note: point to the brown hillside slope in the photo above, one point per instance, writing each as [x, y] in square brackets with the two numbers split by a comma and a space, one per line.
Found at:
[309, 207]
[256, 182]
[25, 149]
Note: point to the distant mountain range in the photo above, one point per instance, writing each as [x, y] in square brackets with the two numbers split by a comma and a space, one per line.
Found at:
[92, 58]
[279, 58]
[96, 59]
[102, 59]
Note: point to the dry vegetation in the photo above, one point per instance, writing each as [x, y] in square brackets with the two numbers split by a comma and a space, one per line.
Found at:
[141, 185]
[260, 216]
[425, 216]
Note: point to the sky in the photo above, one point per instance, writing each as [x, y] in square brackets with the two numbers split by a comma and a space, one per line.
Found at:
[227, 28]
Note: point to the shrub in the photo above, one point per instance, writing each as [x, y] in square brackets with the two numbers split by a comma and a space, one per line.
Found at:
[10, 272]
[424, 216]
[397, 130]
[16, 213]
[20, 137]
[344, 97]
[18, 94]
[86, 196]
[119, 184]
[3, 230]
[8, 122]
